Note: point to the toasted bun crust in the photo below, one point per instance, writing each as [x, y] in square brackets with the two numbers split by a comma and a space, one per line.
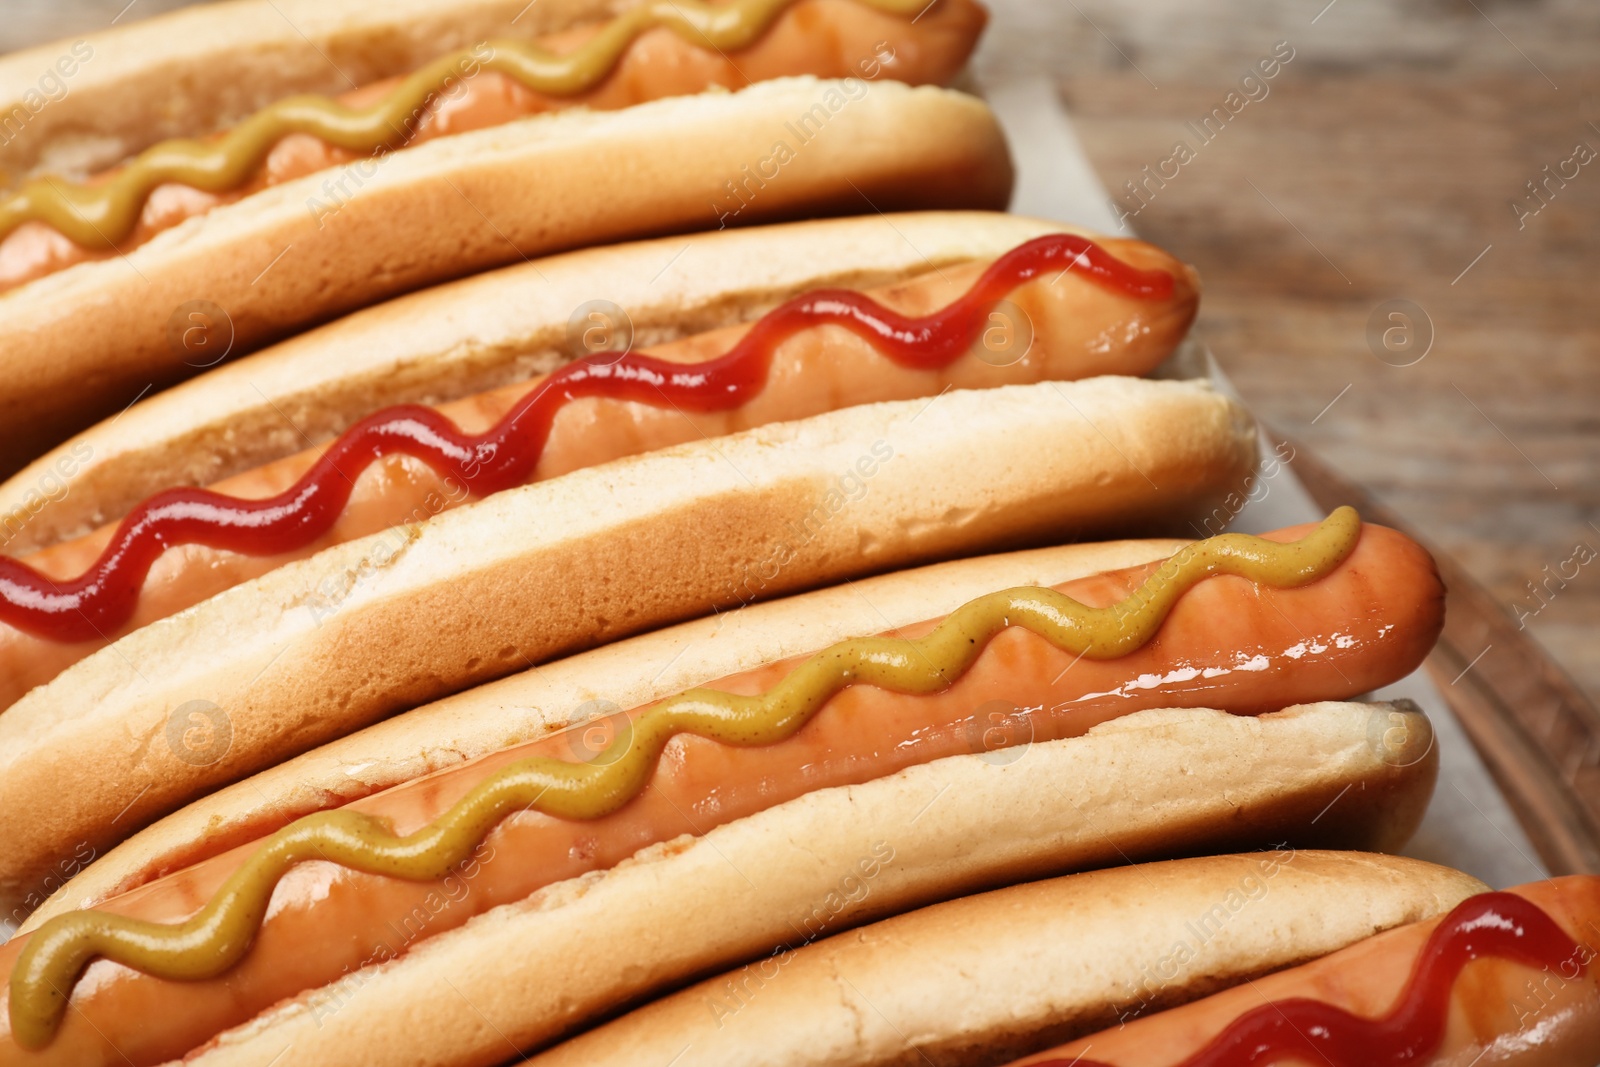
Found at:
[322, 647]
[85, 342]
[1003, 974]
[627, 674]
[193, 71]
[1151, 784]
[467, 337]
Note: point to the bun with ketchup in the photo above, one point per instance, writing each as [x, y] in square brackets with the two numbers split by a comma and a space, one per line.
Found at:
[817, 433]
[1276, 958]
[216, 178]
[483, 875]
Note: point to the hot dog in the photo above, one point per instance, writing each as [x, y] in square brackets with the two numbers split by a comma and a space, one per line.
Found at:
[324, 646]
[283, 208]
[491, 717]
[1121, 308]
[1503, 978]
[1453, 975]
[772, 753]
[484, 332]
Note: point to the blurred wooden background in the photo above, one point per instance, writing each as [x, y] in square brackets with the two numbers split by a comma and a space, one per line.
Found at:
[1382, 164]
[1384, 159]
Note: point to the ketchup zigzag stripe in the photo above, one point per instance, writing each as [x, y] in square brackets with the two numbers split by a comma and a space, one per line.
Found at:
[1498, 925]
[104, 597]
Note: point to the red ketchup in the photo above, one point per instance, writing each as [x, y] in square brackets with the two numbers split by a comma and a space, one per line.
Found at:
[1499, 925]
[101, 599]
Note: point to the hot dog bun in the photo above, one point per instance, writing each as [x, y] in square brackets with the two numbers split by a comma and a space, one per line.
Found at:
[465, 203]
[322, 647]
[988, 977]
[505, 326]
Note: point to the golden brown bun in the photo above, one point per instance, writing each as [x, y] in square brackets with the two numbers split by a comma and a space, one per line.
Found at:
[84, 343]
[467, 337]
[1149, 785]
[193, 71]
[626, 674]
[327, 645]
[990, 977]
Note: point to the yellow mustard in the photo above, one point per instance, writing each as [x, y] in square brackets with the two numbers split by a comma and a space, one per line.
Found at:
[219, 935]
[99, 216]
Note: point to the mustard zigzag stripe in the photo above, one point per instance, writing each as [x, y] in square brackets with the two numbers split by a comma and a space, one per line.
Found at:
[98, 216]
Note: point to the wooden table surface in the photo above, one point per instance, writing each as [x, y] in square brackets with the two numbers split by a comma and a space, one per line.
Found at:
[1382, 162]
